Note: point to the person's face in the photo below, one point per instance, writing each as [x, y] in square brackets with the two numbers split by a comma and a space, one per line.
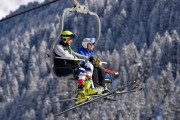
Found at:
[69, 41]
[90, 46]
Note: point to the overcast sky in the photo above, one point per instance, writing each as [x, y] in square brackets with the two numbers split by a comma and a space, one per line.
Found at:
[10, 5]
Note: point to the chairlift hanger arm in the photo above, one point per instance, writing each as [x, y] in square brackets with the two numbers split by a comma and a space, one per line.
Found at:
[84, 10]
[79, 9]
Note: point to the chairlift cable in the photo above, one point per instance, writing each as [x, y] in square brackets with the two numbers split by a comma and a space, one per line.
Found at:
[7, 18]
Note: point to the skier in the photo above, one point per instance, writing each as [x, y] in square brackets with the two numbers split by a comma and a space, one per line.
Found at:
[66, 59]
[98, 74]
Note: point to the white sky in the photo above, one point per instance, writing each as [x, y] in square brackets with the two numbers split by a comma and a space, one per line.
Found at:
[11, 5]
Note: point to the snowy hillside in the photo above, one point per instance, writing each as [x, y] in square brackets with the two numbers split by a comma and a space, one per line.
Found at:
[139, 38]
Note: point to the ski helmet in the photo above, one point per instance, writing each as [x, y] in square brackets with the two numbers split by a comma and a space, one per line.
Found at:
[67, 34]
[88, 40]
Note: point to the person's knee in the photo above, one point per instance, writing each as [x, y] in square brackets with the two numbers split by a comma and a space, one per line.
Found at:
[89, 70]
[89, 66]
[82, 73]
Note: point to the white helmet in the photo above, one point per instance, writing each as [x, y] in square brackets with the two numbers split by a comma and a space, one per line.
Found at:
[88, 40]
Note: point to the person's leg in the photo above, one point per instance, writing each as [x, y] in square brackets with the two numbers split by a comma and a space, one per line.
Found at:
[89, 86]
[101, 76]
[95, 77]
[81, 87]
[81, 78]
[89, 71]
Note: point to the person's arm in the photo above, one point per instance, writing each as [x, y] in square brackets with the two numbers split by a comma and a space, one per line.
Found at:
[81, 52]
[80, 56]
[64, 54]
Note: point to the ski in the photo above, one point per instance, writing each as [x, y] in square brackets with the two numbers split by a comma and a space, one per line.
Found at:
[98, 98]
[73, 99]
[64, 100]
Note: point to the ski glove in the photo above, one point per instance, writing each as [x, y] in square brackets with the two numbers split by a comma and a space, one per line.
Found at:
[91, 59]
[95, 61]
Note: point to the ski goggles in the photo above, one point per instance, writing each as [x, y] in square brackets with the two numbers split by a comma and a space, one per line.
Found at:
[92, 40]
[71, 36]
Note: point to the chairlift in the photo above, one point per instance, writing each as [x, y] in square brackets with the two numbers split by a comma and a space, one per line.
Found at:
[77, 8]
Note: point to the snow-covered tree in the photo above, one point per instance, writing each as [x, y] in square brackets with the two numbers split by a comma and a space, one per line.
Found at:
[140, 38]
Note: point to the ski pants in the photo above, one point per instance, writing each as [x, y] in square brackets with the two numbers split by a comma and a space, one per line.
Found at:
[84, 73]
[98, 77]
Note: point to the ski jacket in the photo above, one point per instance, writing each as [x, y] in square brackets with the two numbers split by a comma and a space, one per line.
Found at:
[66, 57]
[85, 52]
[64, 51]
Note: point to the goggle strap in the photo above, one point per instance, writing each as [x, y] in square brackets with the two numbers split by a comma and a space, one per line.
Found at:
[72, 35]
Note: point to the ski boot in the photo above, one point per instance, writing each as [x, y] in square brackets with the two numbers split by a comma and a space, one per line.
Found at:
[89, 90]
[102, 89]
[106, 90]
[81, 97]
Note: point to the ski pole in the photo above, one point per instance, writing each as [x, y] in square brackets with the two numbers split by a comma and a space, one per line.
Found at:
[110, 71]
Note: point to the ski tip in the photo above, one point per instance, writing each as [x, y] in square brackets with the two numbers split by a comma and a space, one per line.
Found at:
[47, 102]
[140, 89]
[58, 114]
[134, 81]
[137, 86]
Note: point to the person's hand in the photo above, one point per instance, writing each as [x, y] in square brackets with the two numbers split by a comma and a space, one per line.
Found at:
[91, 59]
[96, 62]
